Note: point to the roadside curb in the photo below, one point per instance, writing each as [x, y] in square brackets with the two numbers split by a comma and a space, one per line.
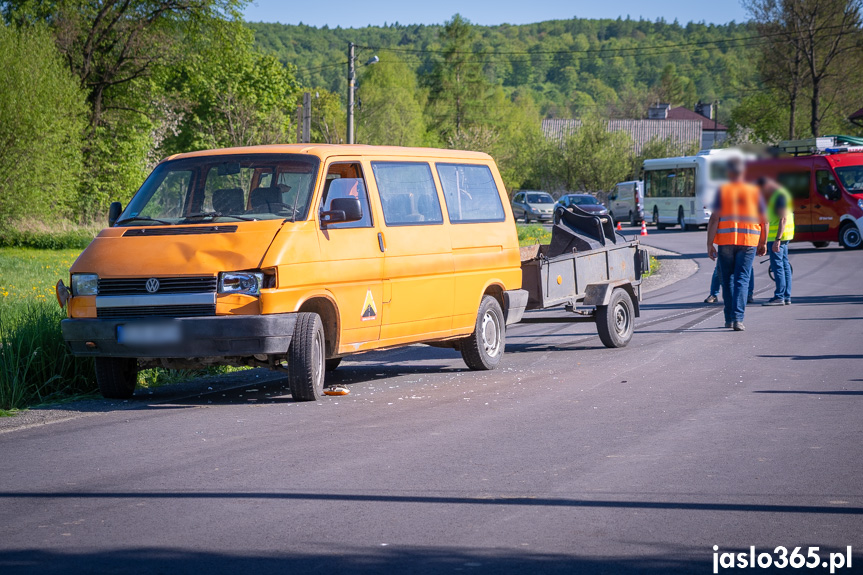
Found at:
[673, 269]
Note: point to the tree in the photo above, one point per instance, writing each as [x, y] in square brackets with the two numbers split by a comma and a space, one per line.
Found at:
[42, 118]
[660, 148]
[594, 159]
[390, 113]
[234, 95]
[109, 43]
[825, 34]
[457, 86]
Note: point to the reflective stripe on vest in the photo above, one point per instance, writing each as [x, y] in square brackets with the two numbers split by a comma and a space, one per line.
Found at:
[739, 221]
[773, 217]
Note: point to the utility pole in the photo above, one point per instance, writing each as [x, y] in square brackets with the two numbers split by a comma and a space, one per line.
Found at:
[715, 121]
[352, 76]
[307, 117]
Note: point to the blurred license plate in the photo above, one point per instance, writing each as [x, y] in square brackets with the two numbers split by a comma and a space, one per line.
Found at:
[149, 333]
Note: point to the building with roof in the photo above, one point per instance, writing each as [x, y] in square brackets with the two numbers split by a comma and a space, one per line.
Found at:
[712, 132]
[687, 133]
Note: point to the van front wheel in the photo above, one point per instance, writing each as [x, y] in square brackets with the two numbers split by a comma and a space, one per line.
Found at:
[483, 349]
[306, 358]
[849, 237]
[116, 376]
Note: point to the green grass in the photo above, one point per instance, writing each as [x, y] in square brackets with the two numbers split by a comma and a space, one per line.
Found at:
[655, 264]
[529, 234]
[35, 366]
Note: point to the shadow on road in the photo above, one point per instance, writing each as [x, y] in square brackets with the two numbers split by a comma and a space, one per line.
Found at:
[790, 392]
[816, 357]
[439, 500]
[349, 559]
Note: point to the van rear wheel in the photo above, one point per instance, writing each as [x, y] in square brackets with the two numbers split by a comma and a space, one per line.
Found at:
[306, 358]
[615, 321]
[116, 376]
[483, 349]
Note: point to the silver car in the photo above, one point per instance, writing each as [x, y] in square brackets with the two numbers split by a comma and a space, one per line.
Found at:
[533, 206]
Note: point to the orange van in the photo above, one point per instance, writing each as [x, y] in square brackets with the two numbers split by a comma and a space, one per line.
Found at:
[294, 256]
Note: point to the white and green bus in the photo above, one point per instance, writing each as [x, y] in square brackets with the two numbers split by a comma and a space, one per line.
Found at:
[681, 191]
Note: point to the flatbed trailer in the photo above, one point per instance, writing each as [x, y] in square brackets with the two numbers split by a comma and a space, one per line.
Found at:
[588, 270]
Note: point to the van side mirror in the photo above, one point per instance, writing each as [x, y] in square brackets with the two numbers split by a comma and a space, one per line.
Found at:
[830, 191]
[343, 210]
[114, 212]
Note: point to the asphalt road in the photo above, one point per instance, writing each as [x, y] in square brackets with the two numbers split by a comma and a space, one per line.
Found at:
[569, 458]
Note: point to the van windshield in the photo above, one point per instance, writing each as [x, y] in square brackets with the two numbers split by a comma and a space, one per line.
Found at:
[225, 188]
[851, 178]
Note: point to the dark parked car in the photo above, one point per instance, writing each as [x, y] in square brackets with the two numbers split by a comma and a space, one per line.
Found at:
[586, 202]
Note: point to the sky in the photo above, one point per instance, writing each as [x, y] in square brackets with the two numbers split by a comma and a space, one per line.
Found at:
[359, 13]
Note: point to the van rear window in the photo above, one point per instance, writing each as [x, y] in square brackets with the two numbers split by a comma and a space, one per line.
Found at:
[408, 193]
[471, 193]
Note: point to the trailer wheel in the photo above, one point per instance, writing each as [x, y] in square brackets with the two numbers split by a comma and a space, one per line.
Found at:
[483, 349]
[306, 358]
[116, 376]
[615, 321]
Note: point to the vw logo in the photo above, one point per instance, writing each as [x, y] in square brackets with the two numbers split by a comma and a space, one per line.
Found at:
[152, 285]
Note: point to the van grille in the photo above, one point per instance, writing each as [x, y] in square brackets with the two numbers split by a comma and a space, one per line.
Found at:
[180, 231]
[157, 311]
[138, 286]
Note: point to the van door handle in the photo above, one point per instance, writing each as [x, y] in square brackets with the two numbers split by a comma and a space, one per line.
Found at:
[381, 242]
[816, 206]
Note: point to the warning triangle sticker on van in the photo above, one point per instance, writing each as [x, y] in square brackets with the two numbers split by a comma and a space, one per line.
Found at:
[370, 311]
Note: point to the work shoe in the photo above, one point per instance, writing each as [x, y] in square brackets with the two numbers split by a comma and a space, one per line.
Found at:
[750, 299]
[788, 302]
[774, 301]
[711, 299]
[728, 324]
[738, 326]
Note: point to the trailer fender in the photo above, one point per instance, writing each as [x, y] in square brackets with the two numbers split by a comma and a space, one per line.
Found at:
[599, 293]
[515, 300]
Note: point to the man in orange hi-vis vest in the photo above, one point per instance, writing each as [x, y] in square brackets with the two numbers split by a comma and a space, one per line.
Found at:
[738, 226]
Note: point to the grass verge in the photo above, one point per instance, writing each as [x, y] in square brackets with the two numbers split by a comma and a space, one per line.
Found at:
[35, 366]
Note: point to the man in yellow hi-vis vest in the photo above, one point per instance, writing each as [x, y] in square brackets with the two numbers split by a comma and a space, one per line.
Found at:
[737, 225]
[780, 219]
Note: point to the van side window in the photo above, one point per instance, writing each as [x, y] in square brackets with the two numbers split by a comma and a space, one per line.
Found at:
[797, 183]
[408, 193]
[471, 193]
[823, 180]
[345, 180]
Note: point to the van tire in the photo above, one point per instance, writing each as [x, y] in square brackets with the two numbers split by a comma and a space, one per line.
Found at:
[333, 363]
[306, 358]
[849, 237]
[483, 349]
[632, 221]
[615, 321]
[116, 376]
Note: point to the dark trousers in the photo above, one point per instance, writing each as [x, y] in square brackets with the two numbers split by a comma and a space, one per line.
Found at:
[781, 271]
[716, 281]
[735, 265]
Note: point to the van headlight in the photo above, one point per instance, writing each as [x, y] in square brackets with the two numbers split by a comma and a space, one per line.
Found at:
[248, 283]
[85, 284]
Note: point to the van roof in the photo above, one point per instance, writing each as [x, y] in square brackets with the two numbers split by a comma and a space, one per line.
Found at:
[329, 150]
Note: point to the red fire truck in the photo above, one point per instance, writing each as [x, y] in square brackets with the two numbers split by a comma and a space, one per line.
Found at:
[826, 180]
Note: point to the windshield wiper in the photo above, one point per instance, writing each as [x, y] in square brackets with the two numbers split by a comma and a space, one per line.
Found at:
[213, 215]
[142, 219]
